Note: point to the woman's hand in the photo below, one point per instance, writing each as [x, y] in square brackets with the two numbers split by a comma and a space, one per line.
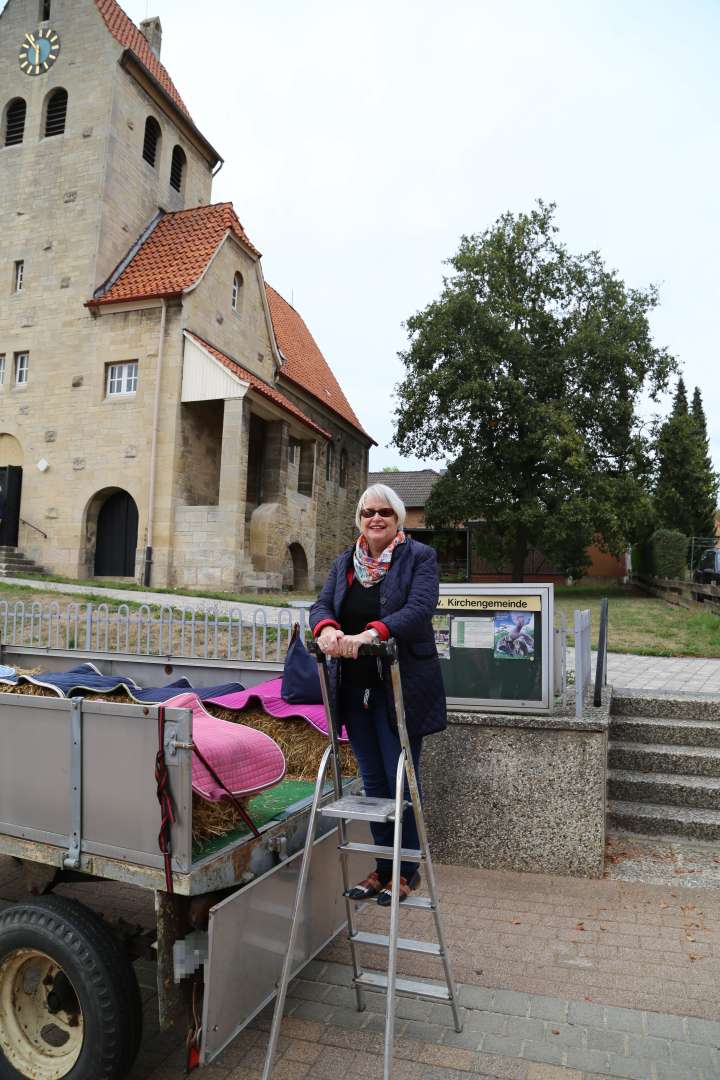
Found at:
[351, 643]
[329, 640]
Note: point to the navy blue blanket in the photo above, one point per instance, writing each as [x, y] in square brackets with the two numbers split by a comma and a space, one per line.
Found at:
[86, 677]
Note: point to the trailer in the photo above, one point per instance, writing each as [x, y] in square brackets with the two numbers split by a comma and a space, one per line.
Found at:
[79, 802]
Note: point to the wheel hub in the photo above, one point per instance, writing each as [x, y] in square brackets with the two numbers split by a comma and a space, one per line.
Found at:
[41, 1022]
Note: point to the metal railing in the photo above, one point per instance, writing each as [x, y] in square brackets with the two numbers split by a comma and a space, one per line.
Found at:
[583, 658]
[601, 663]
[150, 631]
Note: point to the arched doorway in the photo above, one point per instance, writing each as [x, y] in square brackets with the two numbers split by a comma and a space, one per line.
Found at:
[116, 537]
[299, 567]
[11, 459]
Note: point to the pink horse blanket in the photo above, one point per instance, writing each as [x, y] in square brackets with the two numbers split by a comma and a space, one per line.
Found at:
[246, 760]
[268, 694]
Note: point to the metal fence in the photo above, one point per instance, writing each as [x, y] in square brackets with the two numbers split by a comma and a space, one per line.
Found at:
[151, 631]
[583, 658]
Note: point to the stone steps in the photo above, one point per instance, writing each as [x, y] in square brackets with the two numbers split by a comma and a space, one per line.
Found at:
[666, 705]
[649, 818]
[14, 564]
[692, 792]
[654, 758]
[676, 731]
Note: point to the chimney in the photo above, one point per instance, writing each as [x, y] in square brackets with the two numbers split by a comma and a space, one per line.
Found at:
[151, 30]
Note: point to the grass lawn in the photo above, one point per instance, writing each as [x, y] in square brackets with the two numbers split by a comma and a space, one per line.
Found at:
[643, 624]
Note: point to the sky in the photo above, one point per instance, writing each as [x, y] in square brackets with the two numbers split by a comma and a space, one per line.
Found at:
[362, 140]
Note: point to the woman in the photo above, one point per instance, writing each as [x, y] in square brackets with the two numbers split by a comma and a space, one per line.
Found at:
[385, 586]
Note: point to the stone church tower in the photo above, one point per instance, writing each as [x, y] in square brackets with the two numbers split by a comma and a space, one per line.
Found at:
[164, 414]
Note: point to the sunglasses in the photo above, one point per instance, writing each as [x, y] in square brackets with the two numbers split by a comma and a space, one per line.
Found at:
[383, 511]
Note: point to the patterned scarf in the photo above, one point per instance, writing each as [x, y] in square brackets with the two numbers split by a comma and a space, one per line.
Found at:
[368, 569]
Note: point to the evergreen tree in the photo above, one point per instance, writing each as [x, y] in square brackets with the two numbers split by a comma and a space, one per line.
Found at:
[686, 485]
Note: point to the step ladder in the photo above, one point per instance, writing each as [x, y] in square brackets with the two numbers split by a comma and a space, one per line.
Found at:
[363, 808]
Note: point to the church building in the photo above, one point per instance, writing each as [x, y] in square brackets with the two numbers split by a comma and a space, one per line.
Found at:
[165, 414]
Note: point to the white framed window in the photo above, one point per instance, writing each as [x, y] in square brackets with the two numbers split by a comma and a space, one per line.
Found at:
[2, 369]
[237, 285]
[121, 378]
[22, 368]
[19, 275]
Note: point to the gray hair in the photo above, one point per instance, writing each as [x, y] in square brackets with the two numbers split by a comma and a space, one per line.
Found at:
[384, 494]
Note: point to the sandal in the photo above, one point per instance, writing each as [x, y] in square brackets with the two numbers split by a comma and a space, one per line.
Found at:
[406, 887]
[370, 887]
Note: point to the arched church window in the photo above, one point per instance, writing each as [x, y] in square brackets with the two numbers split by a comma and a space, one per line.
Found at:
[56, 113]
[177, 168]
[14, 126]
[237, 286]
[151, 142]
[342, 471]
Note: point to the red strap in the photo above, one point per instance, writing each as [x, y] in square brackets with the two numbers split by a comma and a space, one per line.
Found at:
[167, 813]
[236, 802]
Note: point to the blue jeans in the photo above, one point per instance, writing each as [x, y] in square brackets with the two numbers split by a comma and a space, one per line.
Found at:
[377, 749]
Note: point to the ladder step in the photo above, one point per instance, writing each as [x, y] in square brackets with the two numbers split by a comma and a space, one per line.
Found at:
[435, 991]
[375, 849]
[412, 901]
[408, 944]
[360, 808]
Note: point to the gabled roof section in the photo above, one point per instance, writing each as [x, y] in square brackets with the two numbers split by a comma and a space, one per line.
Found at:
[304, 363]
[126, 33]
[412, 485]
[173, 256]
[263, 388]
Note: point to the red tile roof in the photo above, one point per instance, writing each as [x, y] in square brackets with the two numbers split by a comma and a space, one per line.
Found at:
[305, 364]
[126, 33]
[257, 384]
[175, 254]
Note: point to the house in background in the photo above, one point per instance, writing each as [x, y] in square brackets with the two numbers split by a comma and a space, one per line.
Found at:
[455, 548]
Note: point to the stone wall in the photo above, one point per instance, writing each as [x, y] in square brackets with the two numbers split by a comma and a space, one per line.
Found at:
[519, 792]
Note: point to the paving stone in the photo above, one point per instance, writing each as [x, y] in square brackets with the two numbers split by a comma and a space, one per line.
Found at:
[522, 1027]
[671, 1071]
[442, 1014]
[476, 997]
[552, 1072]
[334, 1061]
[414, 1009]
[553, 1054]
[624, 1019]
[435, 1072]
[487, 1021]
[548, 1008]
[578, 1057]
[338, 973]
[508, 1001]
[583, 1012]
[665, 1027]
[308, 991]
[703, 1031]
[501, 1044]
[420, 1029]
[694, 1055]
[468, 1038]
[648, 1046]
[630, 1068]
[566, 1034]
[313, 1010]
[615, 1041]
[500, 1067]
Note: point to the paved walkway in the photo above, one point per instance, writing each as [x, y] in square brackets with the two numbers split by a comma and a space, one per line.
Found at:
[561, 979]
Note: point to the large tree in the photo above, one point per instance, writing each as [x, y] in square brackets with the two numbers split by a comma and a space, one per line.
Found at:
[686, 485]
[525, 374]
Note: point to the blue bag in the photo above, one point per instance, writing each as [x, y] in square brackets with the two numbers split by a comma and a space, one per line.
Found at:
[300, 681]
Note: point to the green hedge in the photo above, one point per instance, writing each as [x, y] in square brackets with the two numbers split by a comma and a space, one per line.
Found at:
[664, 555]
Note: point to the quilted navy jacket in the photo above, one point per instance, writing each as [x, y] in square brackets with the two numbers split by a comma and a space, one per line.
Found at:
[408, 599]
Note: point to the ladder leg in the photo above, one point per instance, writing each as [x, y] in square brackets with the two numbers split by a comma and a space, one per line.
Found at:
[342, 830]
[294, 918]
[422, 834]
[394, 916]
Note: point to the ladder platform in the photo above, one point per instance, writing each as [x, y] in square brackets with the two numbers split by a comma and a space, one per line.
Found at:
[412, 901]
[378, 981]
[363, 937]
[360, 808]
[376, 849]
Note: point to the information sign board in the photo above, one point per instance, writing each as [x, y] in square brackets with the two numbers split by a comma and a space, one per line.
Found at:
[495, 644]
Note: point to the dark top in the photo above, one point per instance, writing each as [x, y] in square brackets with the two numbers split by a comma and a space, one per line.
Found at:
[360, 607]
[408, 599]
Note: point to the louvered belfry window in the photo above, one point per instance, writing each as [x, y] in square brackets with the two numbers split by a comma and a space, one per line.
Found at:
[177, 168]
[15, 122]
[56, 113]
[152, 139]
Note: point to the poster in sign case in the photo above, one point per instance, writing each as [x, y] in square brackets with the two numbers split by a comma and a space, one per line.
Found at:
[495, 644]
